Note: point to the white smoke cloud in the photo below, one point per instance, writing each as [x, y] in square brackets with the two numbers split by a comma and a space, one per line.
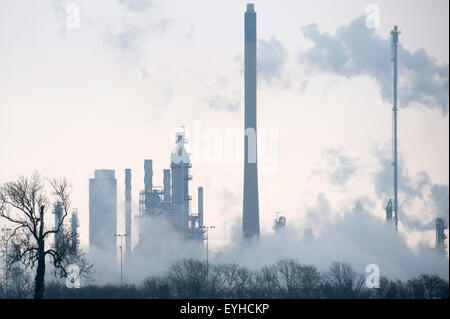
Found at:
[355, 236]
[271, 60]
[220, 102]
[415, 193]
[136, 5]
[158, 248]
[356, 50]
[272, 57]
[339, 167]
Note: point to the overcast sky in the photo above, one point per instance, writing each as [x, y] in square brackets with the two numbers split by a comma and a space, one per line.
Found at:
[112, 91]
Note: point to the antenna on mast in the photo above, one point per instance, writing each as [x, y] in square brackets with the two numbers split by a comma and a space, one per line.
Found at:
[394, 34]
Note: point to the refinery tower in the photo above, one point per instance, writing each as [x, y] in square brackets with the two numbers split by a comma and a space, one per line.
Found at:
[251, 206]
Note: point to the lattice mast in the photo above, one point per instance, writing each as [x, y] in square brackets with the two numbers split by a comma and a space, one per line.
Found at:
[394, 34]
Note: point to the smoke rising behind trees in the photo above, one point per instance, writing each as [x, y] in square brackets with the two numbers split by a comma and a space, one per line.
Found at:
[285, 278]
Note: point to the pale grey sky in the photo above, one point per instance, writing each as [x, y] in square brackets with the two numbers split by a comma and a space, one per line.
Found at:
[112, 92]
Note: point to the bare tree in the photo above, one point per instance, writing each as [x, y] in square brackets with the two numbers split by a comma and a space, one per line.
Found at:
[344, 280]
[20, 284]
[268, 283]
[230, 280]
[296, 280]
[216, 281]
[309, 279]
[156, 287]
[188, 278]
[24, 204]
[416, 288]
[434, 286]
[287, 272]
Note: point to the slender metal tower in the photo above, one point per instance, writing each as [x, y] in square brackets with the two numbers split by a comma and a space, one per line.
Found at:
[251, 204]
[121, 263]
[395, 34]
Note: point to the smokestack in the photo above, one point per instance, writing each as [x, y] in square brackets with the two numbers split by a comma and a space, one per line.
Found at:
[74, 229]
[148, 178]
[128, 211]
[200, 207]
[58, 211]
[440, 236]
[166, 183]
[251, 205]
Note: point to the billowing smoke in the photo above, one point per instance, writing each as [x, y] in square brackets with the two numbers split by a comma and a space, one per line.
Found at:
[415, 193]
[129, 35]
[440, 196]
[357, 50]
[352, 235]
[340, 167]
[136, 5]
[355, 236]
[221, 102]
[271, 60]
[159, 247]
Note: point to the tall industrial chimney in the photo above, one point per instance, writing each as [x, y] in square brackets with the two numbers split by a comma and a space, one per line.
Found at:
[128, 210]
[166, 183]
[440, 236]
[148, 185]
[148, 177]
[58, 210]
[200, 207]
[251, 205]
[74, 229]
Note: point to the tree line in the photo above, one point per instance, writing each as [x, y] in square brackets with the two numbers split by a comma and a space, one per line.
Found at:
[286, 279]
